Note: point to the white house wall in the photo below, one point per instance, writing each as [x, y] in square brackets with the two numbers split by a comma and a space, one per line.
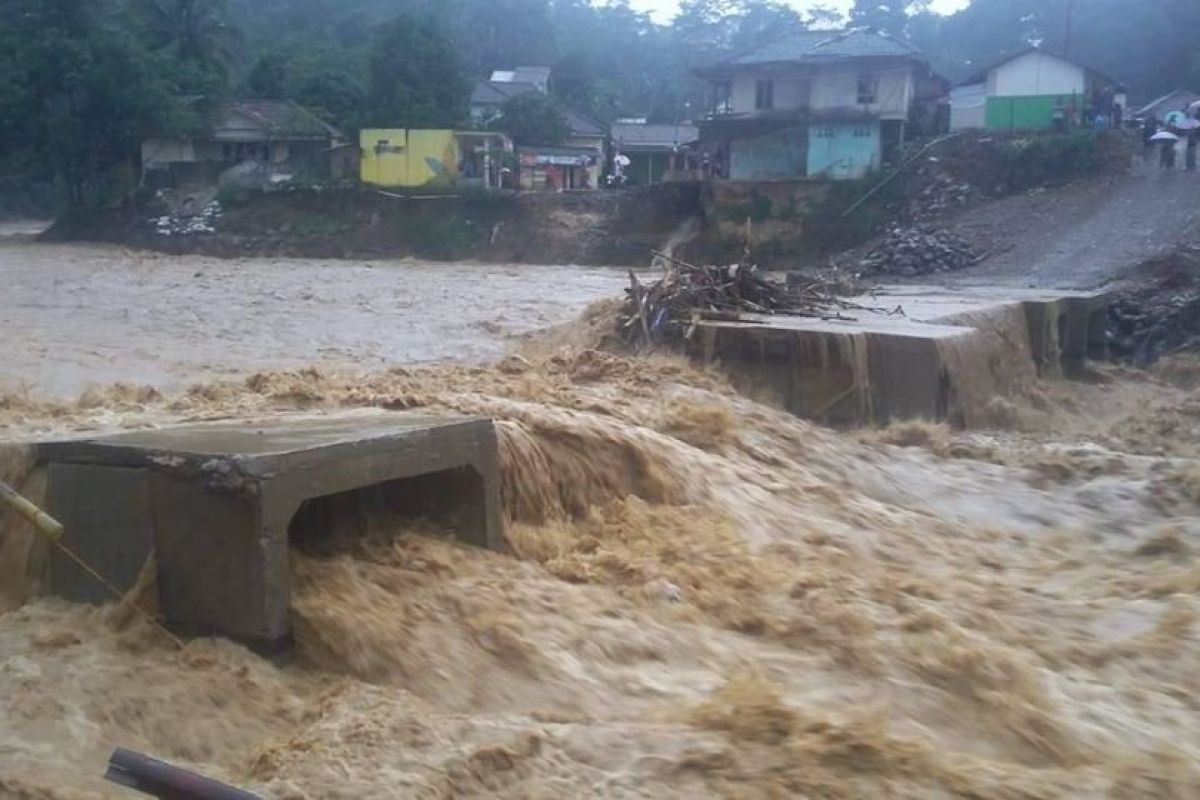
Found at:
[1036, 74]
[838, 88]
[742, 95]
[968, 106]
[167, 151]
[829, 89]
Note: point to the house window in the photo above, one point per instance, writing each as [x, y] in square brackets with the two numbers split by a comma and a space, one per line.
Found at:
[825, 132]
[862, 132]
[764, 95]
[868, 88]
[722, 92]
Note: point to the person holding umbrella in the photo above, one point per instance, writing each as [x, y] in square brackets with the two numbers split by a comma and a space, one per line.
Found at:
[1166, 140]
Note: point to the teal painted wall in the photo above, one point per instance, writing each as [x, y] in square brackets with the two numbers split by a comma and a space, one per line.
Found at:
[843, 151]
[772, 157]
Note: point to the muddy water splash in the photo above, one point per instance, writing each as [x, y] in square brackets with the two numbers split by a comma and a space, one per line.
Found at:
[704, 596]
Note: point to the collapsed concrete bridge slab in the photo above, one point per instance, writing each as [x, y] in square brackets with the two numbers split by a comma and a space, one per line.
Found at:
[218, 504]
[923, 353]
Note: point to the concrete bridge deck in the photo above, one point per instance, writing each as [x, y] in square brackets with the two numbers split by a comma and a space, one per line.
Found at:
[219, 504]
[923, 352]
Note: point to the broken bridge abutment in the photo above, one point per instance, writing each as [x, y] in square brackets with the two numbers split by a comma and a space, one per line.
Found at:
[219, 505]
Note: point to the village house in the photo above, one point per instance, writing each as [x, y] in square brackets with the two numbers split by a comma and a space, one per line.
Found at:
[1034, 89]
[656, 153]
[816, 104]
[575, 164]
[259, 142]
[488, 97]
[433, 158]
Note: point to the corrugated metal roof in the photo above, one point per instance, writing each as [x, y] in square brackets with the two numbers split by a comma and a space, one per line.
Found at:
[1172, 101]
[819, 46]
[639, 135]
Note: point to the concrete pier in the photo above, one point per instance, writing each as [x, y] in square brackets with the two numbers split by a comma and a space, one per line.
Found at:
[218, 504]
[924, 353]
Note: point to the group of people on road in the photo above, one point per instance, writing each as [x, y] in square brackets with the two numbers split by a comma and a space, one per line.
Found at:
[1181, 125]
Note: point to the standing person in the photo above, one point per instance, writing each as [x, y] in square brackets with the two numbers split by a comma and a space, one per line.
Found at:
[1193, 140]
[1166, 159]
[1060, 116]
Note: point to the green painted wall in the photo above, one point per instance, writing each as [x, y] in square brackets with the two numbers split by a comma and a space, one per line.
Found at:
[1025, 113]
[647, 168]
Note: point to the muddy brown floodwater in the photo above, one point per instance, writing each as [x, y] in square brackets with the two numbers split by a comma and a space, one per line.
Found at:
[89, 314]
[702, 597]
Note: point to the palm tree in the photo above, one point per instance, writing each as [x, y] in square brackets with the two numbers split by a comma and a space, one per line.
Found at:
[192, 30]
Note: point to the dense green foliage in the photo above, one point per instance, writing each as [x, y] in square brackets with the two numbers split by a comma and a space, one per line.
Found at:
[533, 119]
[414, 77]
[82, 81]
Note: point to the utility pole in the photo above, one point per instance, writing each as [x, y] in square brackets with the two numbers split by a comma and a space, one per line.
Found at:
[1070, 14]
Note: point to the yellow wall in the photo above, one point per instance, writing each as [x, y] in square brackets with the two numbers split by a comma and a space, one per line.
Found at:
[411, 158]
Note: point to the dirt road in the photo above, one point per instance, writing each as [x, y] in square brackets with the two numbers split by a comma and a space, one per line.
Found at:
[87, 314]
[1083, 235]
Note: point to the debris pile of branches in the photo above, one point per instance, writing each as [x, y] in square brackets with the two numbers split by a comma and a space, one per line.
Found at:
[686, 293]
[907, 252]
[1160, 313]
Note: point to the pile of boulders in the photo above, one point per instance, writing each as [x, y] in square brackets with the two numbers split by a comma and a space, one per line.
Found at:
[190, 224]
[939, 194]
[1160, 314]
[906, 252]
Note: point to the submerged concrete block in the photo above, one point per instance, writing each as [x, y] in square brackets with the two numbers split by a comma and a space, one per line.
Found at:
[218, 503]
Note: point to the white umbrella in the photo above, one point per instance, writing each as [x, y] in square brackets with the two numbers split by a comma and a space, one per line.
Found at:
[1164, 136]
[622, 160]
[1195, 105]
[1188, 124]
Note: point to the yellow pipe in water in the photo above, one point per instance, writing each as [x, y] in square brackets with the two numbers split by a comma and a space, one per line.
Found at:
[47, 525]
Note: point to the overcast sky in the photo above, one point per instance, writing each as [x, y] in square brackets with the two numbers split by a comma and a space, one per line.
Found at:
[663, 10]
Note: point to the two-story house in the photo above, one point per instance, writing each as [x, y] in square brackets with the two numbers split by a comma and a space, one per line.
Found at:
[816, 104]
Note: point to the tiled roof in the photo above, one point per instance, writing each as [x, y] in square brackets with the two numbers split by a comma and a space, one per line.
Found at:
[497, 93]
[980, 75]
[583, 125]
[284, 118]
[820, 46]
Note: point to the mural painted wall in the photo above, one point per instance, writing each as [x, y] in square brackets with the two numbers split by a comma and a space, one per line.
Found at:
[408, 158]
[843, 151]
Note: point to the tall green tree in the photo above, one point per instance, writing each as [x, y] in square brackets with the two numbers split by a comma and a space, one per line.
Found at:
[533, 119]
[888, 16]
[414, 76]
[195, 32]
[81, 94]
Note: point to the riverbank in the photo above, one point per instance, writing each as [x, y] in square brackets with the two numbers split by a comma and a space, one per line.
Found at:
[590, 228]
